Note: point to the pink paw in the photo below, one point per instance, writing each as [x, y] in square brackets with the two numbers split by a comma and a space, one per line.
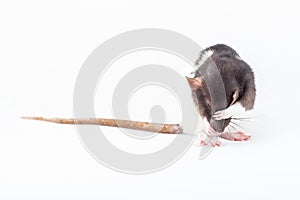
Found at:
[216, 144]
[237, 136]
[209, 137]
[209, 141]
[213, 144]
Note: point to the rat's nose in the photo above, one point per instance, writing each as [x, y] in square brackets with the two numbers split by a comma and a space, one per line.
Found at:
[217, 125]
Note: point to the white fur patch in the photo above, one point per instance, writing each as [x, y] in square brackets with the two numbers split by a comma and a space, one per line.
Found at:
[205, 56]
[191, 75]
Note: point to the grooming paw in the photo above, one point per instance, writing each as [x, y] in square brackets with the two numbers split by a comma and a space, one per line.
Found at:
[222, 114]
[234, 109]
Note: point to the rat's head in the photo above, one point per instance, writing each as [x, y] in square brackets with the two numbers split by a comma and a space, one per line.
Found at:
[202, 99]
[201, 96]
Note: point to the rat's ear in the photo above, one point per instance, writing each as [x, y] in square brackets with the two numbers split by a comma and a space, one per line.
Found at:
[195, 83]
[235, 96]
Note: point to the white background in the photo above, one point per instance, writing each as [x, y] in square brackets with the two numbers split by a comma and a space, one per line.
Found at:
[42, 47]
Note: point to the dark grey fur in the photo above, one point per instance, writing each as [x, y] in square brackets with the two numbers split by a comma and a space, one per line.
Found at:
[236, 75]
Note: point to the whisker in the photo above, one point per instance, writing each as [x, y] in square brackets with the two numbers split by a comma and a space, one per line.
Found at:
[243, 118]
[235, 123]
[245, 121]
[241, 123]
[238, 125]
[233, 129]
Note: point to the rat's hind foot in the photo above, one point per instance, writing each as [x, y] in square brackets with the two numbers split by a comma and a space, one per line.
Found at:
[237, 136]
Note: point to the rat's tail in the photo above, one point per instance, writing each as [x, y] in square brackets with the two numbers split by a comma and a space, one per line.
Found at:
[144, 126]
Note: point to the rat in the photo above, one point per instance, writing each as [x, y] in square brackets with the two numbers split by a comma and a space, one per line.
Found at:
[238, 89]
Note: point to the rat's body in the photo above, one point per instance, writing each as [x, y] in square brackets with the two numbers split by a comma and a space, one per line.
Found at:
[239, 85]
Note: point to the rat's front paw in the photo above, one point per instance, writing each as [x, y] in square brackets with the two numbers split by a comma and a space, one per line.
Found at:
[213, 144]
[222, 114]
[232, 110]
[208, 140]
